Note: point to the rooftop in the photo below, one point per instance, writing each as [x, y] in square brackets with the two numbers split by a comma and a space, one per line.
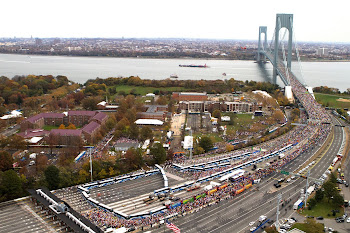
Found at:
[67, 132]
[91, 127]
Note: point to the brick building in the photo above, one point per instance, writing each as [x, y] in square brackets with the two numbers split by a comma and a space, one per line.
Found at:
[38, 121]
[157, 112]
[90, 121]
[190, 96]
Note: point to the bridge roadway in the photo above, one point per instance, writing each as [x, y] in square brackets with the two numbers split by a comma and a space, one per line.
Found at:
[234, 215]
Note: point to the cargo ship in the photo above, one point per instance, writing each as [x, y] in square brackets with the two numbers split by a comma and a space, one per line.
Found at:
[197, 66]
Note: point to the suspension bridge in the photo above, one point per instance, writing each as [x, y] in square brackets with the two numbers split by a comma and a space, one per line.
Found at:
[276, 53]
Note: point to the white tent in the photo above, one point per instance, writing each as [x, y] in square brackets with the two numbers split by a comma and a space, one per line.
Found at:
[148, 122]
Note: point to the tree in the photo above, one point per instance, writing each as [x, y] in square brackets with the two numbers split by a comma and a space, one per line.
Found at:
[146, 133]
[333, 178]
[102, 174]
[217, 114]
[62, 126]
[319, 195]
[271, 229]
[11, 185]
[90, 103]
[71, 126]
[52, 177]
[206, 143]
[312, 202]
[329, 189]
[133, 159]
[312, 226]
[133, 131]
[159, 153]
[6, 161]
[338, 199]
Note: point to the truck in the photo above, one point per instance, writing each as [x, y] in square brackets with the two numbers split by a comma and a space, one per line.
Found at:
[298, 204]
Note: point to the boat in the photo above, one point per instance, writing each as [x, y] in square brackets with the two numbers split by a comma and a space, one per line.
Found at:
[173, 76]
[197, 66]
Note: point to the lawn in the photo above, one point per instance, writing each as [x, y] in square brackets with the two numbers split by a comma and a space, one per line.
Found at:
[332, 100]
[141, 90]
[324, 208]
[50, 127]
[305, 227]
[240, 120]
[215, 137]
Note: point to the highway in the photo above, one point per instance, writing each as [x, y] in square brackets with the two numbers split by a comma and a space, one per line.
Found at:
[233, 215]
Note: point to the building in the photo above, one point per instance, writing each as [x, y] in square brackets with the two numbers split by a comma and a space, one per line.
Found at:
[79, 118]
[157, 112]
[322, 52]
[190, 96]
[67, 136]
[90, 121]
[38, 121]
[91, 131]
[209, 106]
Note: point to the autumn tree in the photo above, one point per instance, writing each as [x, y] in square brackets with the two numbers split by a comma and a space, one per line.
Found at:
[6, 161]
[62, 126]
[71, 126]
[90, 103]
[146, 133]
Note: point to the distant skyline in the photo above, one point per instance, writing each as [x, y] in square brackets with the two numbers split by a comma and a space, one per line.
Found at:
[314, 21]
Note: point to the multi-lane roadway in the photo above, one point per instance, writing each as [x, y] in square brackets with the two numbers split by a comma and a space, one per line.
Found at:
[234, 215]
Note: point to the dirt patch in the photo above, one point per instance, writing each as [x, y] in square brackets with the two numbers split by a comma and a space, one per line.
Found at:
[343, 100]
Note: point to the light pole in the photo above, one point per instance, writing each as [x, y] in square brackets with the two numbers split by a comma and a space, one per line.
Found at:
[90, 163]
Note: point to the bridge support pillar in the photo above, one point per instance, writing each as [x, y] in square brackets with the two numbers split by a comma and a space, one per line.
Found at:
[262, 29]
[283, 21]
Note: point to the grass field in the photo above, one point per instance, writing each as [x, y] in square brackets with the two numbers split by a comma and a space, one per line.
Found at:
[331, 100]
[324, 208]
[240, 120]
[50, 127]
[305, 227]
[140, 90]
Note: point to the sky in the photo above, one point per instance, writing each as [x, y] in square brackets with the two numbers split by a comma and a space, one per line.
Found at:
[314, 21]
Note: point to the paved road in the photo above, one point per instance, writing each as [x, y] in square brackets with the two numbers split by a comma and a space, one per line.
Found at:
[234, 215]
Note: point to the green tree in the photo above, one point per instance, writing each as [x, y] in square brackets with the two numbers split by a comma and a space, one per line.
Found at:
[329, 190]
[6, 161]
[206, 143]
[11, 185]
[312, 202]
[333, 178]
[338, 199]
[52, 177]
[159, 153]
[319, 195]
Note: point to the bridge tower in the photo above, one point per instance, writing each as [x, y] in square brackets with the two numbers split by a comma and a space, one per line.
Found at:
[262, 29]
[283, 21]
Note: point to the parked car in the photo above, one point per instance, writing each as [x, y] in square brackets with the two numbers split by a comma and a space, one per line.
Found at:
[319, 218]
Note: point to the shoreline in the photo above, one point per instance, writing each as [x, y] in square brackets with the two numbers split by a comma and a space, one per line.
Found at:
[161, 58]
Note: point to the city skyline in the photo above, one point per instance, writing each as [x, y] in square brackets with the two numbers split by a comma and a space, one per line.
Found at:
[313, 22]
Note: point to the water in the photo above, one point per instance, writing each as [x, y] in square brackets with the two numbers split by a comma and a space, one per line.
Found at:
[80, 69]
